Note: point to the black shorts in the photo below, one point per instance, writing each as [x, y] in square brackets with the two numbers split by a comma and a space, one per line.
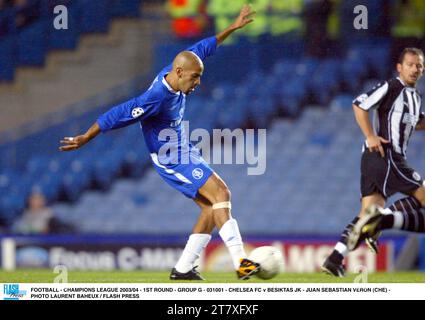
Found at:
[388, 175]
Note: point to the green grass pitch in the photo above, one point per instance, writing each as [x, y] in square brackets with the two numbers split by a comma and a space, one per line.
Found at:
[47, 276]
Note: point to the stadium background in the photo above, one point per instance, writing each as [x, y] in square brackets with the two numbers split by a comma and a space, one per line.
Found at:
[294, 72]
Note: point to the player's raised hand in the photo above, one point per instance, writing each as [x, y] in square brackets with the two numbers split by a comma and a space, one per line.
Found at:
[245, 17]
[375, 143]
[72, 143]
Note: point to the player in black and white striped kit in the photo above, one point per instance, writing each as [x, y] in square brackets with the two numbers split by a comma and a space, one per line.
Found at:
[396, 106]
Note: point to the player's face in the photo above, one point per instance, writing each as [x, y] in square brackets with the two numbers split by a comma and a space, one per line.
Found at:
[412, 68]
[190, 79]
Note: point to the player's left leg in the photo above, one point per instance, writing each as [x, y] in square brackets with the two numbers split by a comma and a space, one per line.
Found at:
[407, 214]
[217, 192]
[185, 268]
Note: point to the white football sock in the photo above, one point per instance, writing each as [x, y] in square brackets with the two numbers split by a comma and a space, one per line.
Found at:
[398, 220]
[342, 249]
[386, 211]
[231, 236]
[194, 246]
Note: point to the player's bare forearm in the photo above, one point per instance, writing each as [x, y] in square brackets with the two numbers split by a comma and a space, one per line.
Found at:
[421, 125]
[73, 143]
[225, 34]
[374, 142]
[362, 118]
[245, 17]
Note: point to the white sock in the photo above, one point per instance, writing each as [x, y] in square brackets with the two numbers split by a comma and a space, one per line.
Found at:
[386, 211]
[192, 251]
[231, 236]
[342, 249]
[398, 220]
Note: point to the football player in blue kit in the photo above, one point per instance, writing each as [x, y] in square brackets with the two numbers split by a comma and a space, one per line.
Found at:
[161, 108]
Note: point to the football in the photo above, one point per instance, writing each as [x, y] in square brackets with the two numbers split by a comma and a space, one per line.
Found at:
[270, 260]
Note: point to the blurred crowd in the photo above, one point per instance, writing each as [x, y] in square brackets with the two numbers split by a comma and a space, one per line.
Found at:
[330, 17]
[11, 3]
[38, 218]
[16, 14]
[194, 17]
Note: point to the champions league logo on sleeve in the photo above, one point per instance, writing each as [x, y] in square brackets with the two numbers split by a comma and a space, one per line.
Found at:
[12, 292]
[137, 112]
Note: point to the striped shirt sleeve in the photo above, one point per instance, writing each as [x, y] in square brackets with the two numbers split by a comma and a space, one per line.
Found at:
[367, 101]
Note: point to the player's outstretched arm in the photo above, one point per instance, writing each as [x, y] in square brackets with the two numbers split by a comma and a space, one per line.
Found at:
[245, 17]
[73, 143]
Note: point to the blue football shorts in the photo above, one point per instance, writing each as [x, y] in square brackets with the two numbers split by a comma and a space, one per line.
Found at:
[187, 178]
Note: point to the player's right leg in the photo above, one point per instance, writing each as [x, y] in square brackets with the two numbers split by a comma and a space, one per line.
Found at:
[333, 265]
[407, 214]
[217, 192]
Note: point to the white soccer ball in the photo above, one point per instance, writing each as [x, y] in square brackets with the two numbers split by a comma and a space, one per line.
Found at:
[270, 260]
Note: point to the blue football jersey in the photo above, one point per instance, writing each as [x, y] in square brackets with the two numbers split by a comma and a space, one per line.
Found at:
[158, 109]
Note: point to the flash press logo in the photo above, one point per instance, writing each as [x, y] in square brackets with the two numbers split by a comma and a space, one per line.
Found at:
[12, 292]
